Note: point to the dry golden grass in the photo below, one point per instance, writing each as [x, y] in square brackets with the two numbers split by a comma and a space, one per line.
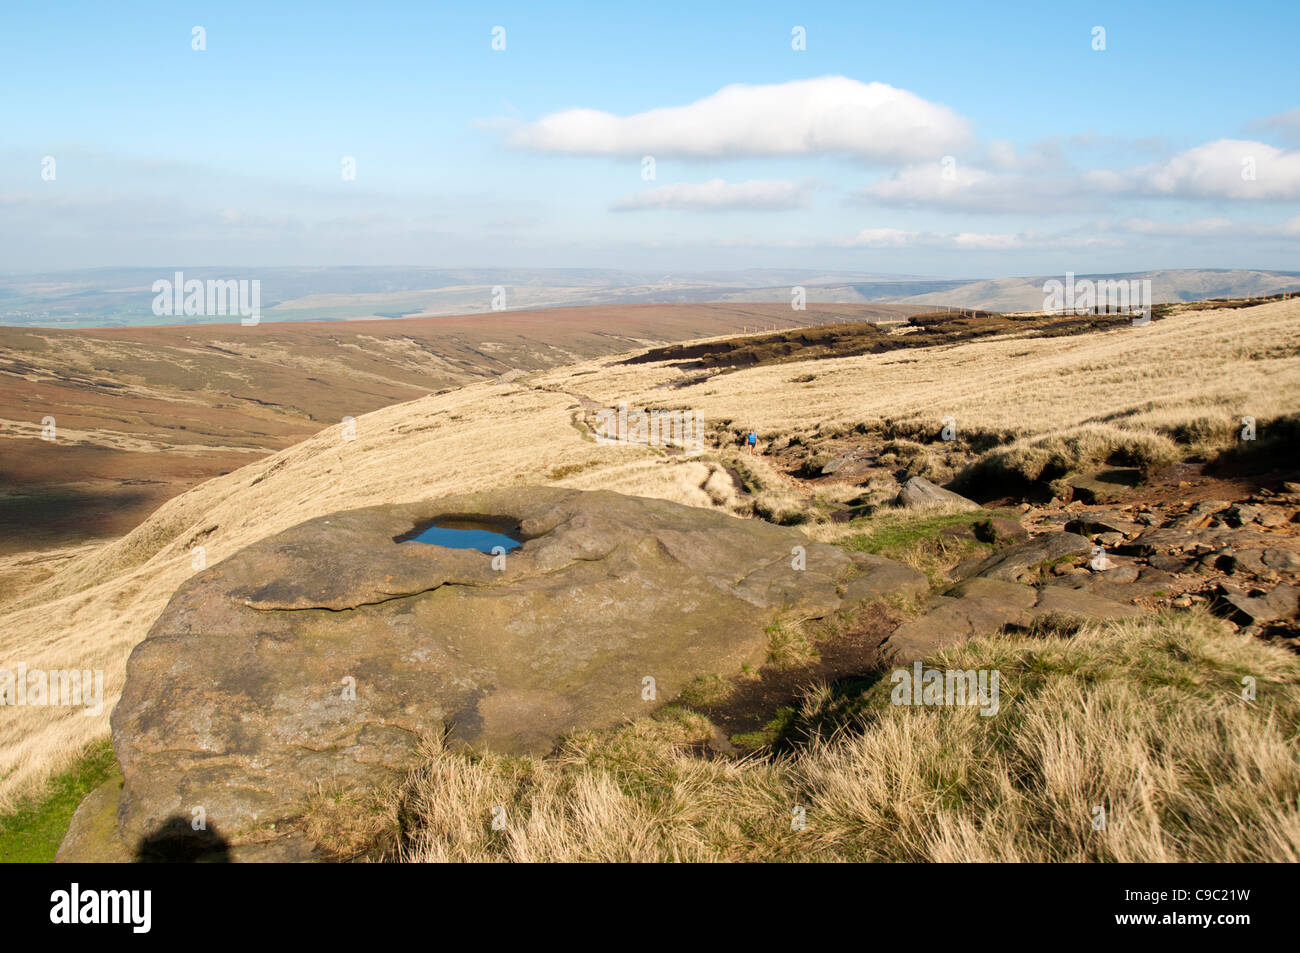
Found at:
[1075, 448]
[1144, 718]
[1212, 366]
[1216, 365]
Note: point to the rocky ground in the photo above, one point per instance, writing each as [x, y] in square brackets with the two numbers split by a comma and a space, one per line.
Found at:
[1102, 544]
[1182, 539]
[1179, 544]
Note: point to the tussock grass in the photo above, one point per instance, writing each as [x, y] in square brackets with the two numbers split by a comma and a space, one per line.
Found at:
[1144, 718]
[790, 643]
[706, 690]
[347, 823]
[1077, 449]
[1275, 441]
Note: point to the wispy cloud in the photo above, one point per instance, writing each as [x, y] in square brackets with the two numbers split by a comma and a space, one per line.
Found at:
[1285, 125]
[971, 241]
[968, 188]
[1205, 228]
[718, 195]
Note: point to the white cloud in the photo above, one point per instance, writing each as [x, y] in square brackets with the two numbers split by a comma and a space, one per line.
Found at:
[1199, 227]
[973, 189]
[1213, 170]
[1044, 155]
[827, 115]
[717, 195]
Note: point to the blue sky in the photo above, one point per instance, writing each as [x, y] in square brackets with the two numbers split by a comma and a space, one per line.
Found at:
[923, 138]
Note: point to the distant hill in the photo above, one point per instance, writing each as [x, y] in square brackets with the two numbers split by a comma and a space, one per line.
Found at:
[1187, 284]
[123, 297]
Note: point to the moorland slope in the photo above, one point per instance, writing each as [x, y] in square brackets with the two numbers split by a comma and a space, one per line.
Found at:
[1194, 371]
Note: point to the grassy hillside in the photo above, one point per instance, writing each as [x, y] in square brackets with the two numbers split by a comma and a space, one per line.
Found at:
[1201, 370]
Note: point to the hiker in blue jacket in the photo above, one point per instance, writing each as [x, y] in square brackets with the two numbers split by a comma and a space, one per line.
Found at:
[751, 440]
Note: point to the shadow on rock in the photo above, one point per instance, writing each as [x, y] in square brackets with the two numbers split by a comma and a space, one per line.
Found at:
[176, 842]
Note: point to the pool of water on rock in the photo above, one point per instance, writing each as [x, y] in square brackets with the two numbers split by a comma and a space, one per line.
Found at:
[464, 534]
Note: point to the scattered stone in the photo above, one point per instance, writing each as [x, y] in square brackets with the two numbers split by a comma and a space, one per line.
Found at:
[1243, 560]
[1291, 487]
[1022, 562]
[1200, 514]
[1012, 596]
[1241, 514]
[1054, 519]
[1283, 602]
[919, 492]
[1120, 573]
[1182, 602]
[1271, 517]
[1169, 563]
[1154, 541]
[948, 621]
[881, 577]
[967, 567]
[1080, 602]
[999, 529]
[1282, 560]
[1154, 582]
[1150, 583]
[839, 463]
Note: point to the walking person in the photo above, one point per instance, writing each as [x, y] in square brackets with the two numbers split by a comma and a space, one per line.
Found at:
[751, 440]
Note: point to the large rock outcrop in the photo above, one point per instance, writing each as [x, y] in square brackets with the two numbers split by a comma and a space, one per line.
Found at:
[919, 492]
[318, 657]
